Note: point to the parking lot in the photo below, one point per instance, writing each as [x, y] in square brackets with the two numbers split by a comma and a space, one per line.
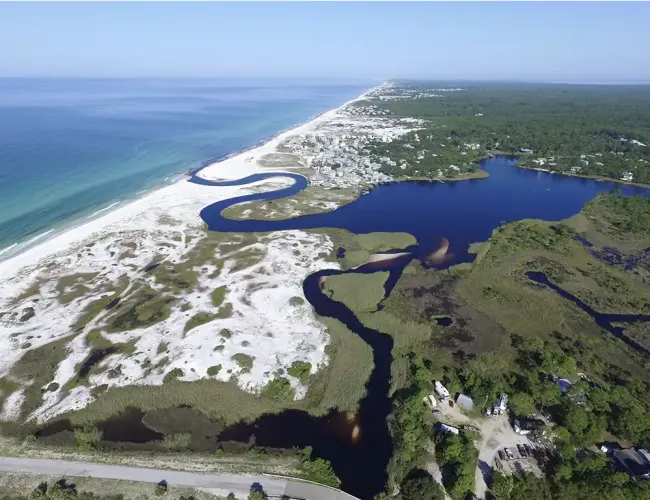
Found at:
[496, 435]
[517, 459]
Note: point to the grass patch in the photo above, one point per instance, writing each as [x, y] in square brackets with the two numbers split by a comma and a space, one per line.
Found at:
[296, 301]
[200, 318]
[244, 361]
[174, 278]
[312, 200]
[162, 347]
[359, 292]
[177, 442]
[218, 295]
[73, 286]
[225, 311]
[147, 307]
[359, 247]
[301, 370]
[279, 389]
[39, 366]
[172, 375]
[96, 306]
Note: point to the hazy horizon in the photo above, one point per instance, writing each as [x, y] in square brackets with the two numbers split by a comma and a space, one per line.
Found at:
[563, 42]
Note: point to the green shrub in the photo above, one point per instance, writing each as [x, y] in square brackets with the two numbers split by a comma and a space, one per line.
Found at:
[214, 370]
[301, 370]
[244, 361]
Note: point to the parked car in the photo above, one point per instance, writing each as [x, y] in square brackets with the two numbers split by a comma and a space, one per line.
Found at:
[502, 455]
[529, 449]
[522, 450]
[509, 453]
[435, 411]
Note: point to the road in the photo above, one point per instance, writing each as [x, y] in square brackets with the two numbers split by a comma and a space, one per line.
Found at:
[219, 484]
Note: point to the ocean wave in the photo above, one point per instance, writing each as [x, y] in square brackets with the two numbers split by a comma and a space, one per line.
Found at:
[103, 210]
[7, 249]
[36, 238]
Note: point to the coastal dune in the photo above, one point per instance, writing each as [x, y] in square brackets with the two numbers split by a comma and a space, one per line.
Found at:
[266, 324]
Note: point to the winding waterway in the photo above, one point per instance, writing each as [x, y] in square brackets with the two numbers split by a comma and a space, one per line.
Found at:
[457, 213]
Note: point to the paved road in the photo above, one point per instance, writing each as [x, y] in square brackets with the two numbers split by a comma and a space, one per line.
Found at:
[223, 484]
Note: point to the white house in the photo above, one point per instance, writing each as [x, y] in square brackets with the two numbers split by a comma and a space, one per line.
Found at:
[628, 176]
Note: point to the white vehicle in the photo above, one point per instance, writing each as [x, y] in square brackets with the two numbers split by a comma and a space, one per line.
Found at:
[441, 390]
[430, 400]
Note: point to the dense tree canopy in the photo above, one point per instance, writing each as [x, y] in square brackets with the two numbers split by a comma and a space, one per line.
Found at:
[600, 130]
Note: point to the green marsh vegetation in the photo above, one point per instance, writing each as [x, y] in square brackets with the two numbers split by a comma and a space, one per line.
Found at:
[359, 292]
[510, 335]
[301, 370]
[339, 385]
[360, 247]
[312, 200]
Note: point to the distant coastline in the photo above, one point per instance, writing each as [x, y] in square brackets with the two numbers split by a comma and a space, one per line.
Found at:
[92, 215]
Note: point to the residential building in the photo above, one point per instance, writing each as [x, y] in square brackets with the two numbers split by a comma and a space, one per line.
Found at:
[635, 461]
[465, 401]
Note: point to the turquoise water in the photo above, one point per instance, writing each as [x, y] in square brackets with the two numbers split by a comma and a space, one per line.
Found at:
[71, 147]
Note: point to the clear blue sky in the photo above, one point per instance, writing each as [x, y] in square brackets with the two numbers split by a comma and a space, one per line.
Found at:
[533, 41]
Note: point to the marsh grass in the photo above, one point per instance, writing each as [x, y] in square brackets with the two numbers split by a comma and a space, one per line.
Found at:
[312, 200]
[177, 442]
[359, 247]
[497, 286]
[359, 292]
[340, 385]
[301, 370]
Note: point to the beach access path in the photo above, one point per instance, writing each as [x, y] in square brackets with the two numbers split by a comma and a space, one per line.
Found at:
[218, 484]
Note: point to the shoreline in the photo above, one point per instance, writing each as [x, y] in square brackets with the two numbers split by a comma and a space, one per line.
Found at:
[592, 177]
[229, 166]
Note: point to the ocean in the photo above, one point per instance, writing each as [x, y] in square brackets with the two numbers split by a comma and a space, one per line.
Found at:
[73, 148]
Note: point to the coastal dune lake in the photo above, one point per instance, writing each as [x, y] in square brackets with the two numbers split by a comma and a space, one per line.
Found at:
[456, 213]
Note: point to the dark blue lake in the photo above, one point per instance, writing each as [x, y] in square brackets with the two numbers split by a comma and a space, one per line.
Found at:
[464, 212]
